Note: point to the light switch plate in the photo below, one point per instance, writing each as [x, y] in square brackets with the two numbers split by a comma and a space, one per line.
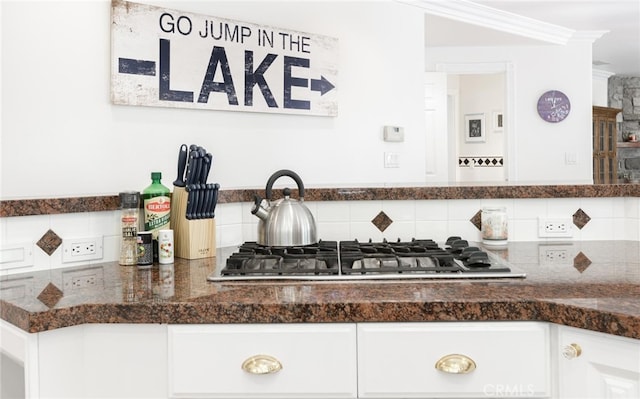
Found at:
[391, 160]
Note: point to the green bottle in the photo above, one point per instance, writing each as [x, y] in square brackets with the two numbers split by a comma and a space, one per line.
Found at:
[156, 200]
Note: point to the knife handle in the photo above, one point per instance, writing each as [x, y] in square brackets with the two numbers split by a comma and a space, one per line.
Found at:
[206, 203]
[214, 200]
[182, 161]
[204, 173]
[201, 201]
[192, 200]
[193, 169]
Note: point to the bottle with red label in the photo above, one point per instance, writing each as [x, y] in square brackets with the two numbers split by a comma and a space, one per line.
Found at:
[156, 200]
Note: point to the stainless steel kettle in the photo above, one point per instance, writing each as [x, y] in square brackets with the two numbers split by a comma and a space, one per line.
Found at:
[285, 222]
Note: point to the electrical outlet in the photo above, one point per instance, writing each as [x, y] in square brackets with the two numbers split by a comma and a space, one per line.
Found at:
[555, 228]
[90, 277]
[555, 255]
[81, 249]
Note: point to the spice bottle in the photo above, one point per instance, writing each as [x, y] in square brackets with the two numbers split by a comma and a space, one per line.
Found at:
[129, 210]
[165, 242]
[145, 249]
[157, 209]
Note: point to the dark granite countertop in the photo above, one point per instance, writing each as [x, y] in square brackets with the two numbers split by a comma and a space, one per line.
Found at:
[599, 290]
[49, 206]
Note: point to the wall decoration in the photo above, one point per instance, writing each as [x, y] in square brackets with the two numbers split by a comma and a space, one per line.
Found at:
[498, 121]
[474, 128]
[481, 161]
[554, 106]
[169, 58]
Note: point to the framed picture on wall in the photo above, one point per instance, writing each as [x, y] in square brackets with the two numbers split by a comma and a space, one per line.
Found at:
[474, 128]
[498, 121]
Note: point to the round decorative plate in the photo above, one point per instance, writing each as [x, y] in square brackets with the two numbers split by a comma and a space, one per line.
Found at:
[554, 106]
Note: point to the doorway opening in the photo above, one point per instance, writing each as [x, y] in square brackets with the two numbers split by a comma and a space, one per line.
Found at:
[480, 126]
[475, 109]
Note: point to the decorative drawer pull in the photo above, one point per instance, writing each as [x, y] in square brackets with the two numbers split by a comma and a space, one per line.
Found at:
[456, 364]
[261, 364]
[571, 351]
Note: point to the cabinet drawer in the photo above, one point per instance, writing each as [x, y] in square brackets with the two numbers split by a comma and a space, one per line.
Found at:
[318, 360]
[398, 359]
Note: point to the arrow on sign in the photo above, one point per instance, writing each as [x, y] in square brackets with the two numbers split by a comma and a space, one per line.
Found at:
[322, 85]
[136, 67]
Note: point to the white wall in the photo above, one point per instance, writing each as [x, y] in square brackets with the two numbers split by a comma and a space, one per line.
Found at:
[539, 147]
[62, 137]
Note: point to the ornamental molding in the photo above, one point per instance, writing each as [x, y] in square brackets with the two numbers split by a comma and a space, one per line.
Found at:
[488, 17]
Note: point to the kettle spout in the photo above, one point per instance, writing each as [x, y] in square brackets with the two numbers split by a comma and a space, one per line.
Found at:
[260, 208]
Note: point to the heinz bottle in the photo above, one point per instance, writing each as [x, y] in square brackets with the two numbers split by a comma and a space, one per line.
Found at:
[157, 208]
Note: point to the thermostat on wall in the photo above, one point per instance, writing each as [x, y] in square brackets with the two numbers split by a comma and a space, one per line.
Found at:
[393, 133]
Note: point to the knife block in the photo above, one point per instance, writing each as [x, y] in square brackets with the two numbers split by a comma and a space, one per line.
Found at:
[193, 239]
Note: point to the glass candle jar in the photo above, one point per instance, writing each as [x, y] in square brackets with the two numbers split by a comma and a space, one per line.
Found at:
[494, 226]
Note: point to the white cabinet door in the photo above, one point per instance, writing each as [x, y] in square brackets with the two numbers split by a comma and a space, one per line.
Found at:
[103, 361]
[398, 360]
[318, 361]
[597, 365]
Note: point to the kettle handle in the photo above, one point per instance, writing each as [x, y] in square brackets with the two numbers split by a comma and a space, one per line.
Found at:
[279, 174]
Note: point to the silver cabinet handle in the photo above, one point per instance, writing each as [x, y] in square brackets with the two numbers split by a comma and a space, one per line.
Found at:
[262, 364]
[571, 351]
[456, 364]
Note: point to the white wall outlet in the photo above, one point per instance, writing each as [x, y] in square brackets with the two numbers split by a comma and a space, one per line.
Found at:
[16, 255]
[555, 255]
[90, 277]
[555, 228]
[82, 249]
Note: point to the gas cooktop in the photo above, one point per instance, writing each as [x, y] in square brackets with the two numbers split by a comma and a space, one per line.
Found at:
[355, 260]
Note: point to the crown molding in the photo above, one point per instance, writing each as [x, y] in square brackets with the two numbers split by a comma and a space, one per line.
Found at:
[601, 74]
[488, 17]
[589, 36]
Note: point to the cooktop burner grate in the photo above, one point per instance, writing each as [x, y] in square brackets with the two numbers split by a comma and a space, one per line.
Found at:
[253, 259]
[328, 260]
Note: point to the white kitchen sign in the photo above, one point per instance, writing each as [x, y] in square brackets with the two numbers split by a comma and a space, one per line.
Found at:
[169, 58]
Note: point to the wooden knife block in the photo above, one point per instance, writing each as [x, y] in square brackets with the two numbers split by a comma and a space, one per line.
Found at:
[192, 239]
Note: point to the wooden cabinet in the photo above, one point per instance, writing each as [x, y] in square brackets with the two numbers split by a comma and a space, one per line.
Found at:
[605, 139]
[401, 360]
[316, 360]
[596, 365]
